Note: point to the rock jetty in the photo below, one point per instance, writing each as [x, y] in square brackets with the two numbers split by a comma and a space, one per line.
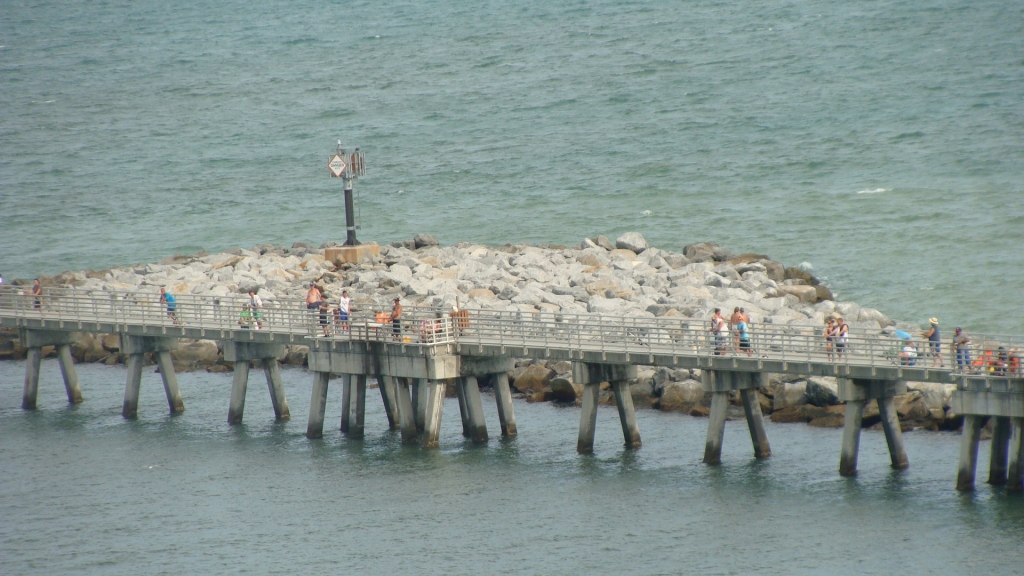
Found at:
[626, 277]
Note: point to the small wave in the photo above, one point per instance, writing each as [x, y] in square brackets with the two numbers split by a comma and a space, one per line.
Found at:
[805, 266]
[646, 213]
[875, 191]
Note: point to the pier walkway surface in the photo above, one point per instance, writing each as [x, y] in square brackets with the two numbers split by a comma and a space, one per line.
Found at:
[429, 349]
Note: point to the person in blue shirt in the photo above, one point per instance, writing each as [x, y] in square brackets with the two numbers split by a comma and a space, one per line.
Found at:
[172, 305]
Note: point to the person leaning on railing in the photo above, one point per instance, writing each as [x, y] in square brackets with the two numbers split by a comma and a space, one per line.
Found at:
[961, 344]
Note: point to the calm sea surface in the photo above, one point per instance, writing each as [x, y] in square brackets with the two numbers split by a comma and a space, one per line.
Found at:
[881, 142]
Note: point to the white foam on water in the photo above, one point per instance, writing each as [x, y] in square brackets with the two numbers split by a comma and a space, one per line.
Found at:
[805, 266]
[646, 213]
[875, 191]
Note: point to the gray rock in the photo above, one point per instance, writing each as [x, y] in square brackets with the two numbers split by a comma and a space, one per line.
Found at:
[632, 241]
[605, 243]
[588, 243]
[822, 391]
[790, 394]
[424, 240]
[677, 260]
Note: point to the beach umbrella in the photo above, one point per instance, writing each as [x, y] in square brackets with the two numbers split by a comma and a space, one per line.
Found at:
[903, 335]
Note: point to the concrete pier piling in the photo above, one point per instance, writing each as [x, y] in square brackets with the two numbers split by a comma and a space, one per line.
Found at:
[67, 371]
[716, 428]
[346, 402]
[999, 453]
[591, 375]
[969, 452]
[241, 352]
[720, 383]
[419, 402]
[857, 392]
[588, 418]
[627, 415]
[503, 398]
[406, 412]
[31, 391]
[474, 410]
[851, 438]
[239, 383]
[435, 406]
[386, 385]
[755, 422]
[460, 393]
[357, 417]
[893, 433]
[1015, 470]
[318, 405]
[135, 347]
[272, 370]
[34, 340]
[130, 407]
[170, 380]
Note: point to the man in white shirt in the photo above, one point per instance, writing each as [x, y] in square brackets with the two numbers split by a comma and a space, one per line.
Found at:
[343, 309]
[255, 305]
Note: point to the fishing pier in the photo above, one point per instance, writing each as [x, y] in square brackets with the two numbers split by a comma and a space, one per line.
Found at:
[430, 350]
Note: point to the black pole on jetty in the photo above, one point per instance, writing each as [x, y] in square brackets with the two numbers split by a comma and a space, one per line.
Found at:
[348, 169]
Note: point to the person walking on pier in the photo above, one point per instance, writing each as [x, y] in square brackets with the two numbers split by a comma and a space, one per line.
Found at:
[734, 320]
[167, 299]
[344, 306]
[396, 319]
[744, 336]
[934, 344]
[830, 337]
[255, 307]
[961, 344]
[718, 329]
[313, 297]
[37, 294]
[842, 337]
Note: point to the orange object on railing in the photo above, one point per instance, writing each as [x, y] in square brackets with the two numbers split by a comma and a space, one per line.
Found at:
[381, 317]
[461, 319]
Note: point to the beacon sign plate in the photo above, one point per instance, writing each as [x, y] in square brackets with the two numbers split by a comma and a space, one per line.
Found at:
[337, 165]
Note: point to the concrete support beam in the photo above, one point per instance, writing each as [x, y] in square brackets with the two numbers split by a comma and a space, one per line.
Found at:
[755, 422]
[238, 385]
[346, 402]
[1015, 471]
[851, 438]
[474, 410]
[406, 413]
[435, 406]
[503, 397]
[969, 452]
[716, 428]
[358, 416]
[627, 415]
[67, 370]
[170, 379]
[272, 370]
[460, 393]
[318, 405]
[386, 385]
[587, 373]
[998, 457]
[419, 402]
[588, 417]
[893, 433]
[34, 360]
[130, 408]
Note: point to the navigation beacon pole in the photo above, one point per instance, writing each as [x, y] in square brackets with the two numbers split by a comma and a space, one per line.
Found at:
[348, 170]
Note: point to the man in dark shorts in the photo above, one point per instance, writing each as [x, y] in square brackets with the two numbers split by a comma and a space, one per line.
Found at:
[325, 310]
[934, 346]
[37, 294]
[396, 319]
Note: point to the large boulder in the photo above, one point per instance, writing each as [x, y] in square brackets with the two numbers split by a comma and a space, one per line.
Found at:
[632, 241]
[706, 252]
[681, 396]
[533, 379]
[563, 389]
[936, 396]
[605, 243]
[803, 292]
[424, 240]
[87, 348]
[789, 394]
[196, 352]
[822, 391]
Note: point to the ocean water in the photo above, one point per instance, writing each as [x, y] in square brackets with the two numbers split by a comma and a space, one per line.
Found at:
[881, 142]
[84, 491]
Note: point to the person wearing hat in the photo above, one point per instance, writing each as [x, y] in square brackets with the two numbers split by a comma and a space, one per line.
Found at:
[963, 351]
[396, 319]
[934, 346]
